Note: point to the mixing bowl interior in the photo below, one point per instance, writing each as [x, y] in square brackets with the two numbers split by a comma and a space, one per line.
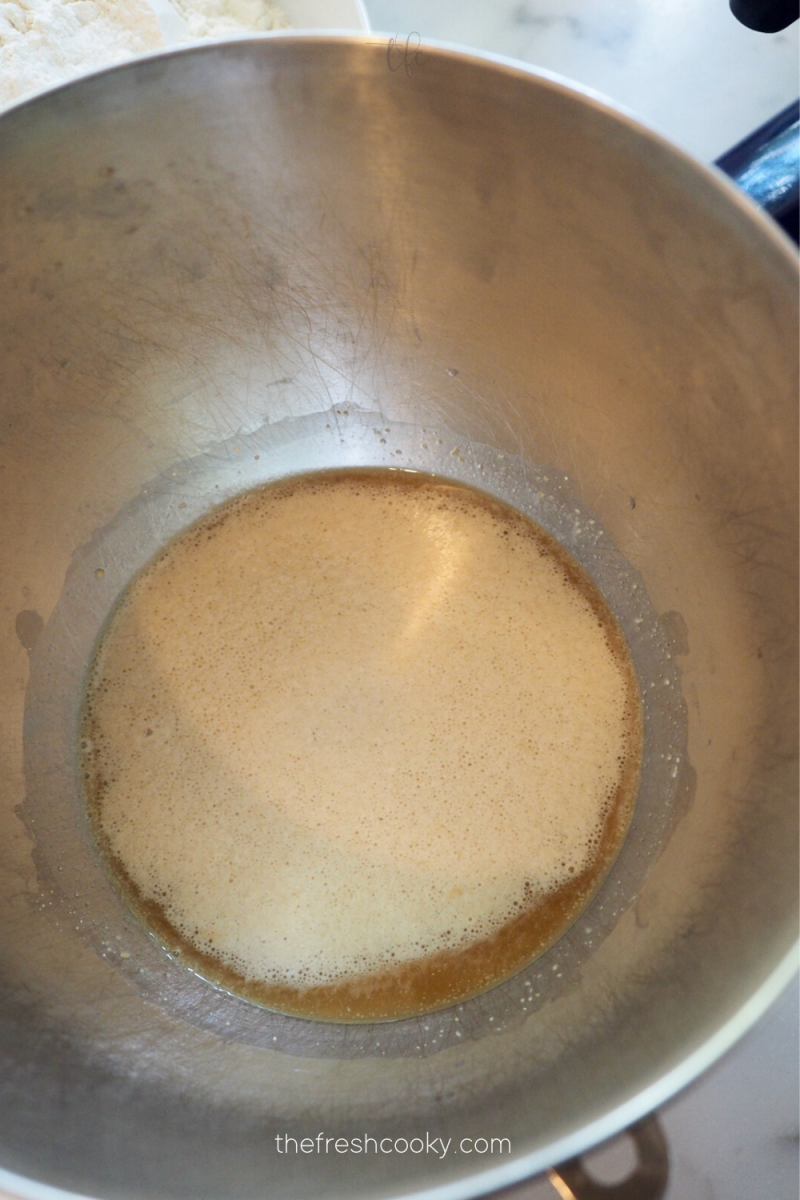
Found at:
[238, 262]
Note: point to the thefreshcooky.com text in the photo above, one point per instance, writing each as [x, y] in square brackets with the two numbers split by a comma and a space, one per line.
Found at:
[441, 1147]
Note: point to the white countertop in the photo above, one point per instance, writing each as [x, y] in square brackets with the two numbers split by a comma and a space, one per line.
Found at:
[733, 1135]
[685, 67]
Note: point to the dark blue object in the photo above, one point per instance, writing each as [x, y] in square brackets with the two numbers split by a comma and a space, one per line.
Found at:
[766, 165]
[765, 16]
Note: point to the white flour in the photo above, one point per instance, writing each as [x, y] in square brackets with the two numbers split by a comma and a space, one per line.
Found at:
[47, 42]
[216, 18]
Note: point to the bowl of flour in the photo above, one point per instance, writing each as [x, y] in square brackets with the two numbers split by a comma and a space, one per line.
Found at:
[44, 43]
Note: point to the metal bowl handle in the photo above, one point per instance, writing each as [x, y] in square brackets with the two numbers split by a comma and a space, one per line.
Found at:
[648, 1181]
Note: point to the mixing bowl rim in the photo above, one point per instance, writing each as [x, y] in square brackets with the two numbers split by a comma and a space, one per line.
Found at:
[552, 79]
[588, 1136]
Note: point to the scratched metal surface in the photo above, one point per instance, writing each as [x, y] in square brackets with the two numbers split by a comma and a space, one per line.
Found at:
[285, 249]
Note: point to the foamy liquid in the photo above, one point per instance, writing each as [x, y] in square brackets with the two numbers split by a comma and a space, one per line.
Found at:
[346, 737]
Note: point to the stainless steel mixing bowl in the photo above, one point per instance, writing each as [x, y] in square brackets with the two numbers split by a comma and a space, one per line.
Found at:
[267, 256]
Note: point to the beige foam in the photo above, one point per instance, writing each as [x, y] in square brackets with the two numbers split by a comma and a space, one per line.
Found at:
[355, 719]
